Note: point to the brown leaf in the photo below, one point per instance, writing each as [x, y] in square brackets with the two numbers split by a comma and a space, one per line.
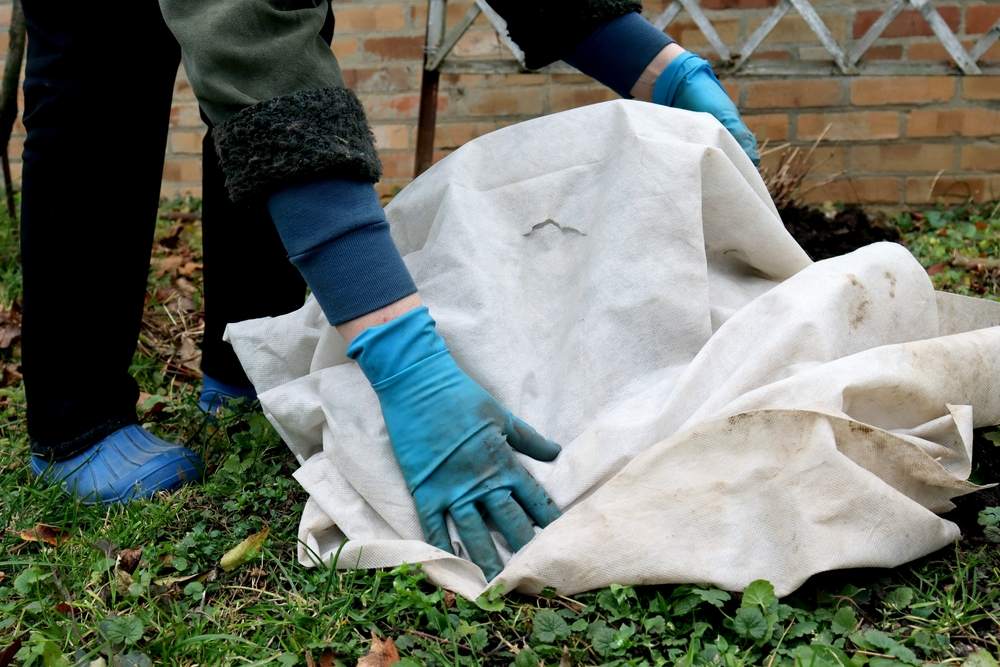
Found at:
[169, 264]
[326, 658]
[189, 269]
[381, 654]
[565, 660]
[10, 374]
[10, 326]
[936, 269]
[64, 608]
[128, 559]
[449, 599]
[43, 532]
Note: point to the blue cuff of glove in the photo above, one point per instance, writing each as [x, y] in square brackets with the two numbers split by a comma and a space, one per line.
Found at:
[617, 52]
[337, 235]
[687, 63]
[387, 350]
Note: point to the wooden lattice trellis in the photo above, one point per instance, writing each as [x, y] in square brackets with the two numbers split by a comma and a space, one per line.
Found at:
[846, 59]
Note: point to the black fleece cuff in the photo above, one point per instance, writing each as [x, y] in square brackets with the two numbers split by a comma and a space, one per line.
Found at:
[549, 30]
[295, 138]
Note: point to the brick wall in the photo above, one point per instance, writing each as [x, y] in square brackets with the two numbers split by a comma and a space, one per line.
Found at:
[894, 140]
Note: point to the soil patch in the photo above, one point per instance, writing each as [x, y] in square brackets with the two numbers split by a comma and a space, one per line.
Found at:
[823, 236]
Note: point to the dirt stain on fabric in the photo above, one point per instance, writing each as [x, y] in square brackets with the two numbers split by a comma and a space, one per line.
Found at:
[860, 305]
[892, 283]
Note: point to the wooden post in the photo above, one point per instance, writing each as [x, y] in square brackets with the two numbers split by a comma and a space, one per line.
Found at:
[429, 87]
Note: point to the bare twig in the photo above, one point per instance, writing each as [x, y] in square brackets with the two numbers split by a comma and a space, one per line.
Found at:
[785, 181]
[975, 263]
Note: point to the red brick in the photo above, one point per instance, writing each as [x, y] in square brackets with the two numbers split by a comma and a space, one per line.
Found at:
[396, 164]
[795, 93]
[909, 23]
[981, 87]
[915, 158]
[397, 106]
[505, 102]
[980, 19]
[185, 115]
[768, 127]
[688, 35]
[932, 50]
[479, 44]
[878, 90]
[792, 29]
[453, 135]
[344, 47]
[182, 170]
[863, 190]
[967, 122]
[370, 18]
[883, 52]
[952, 188]
[570, 97]
[395, 48]
[981, 157]
[185, 142]
[383, 79]
[776, 54]
[849, 126]
[392, 136]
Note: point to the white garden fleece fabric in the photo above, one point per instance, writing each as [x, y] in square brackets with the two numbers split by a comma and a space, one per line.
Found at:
[618, 276]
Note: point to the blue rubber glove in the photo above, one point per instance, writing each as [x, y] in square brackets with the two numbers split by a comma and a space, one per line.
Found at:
[130, 463]
[689, 83]
[453, 441]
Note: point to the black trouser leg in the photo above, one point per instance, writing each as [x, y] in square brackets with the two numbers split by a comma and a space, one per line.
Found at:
[98, 89]
[247, 272]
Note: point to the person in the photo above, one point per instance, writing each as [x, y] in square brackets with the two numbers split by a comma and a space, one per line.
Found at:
[289, 168]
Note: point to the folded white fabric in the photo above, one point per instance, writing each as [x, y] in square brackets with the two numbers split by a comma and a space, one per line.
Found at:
[618, 276]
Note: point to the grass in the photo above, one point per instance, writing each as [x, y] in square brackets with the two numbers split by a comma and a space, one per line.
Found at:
[142, 584]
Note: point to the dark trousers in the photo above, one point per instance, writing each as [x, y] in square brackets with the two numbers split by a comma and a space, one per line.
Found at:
[98, 91]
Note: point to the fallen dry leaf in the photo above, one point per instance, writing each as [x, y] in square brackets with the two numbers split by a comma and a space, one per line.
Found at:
[381, 654]
[43, 532]
[188, 269]
[128, 559]
[936, 269]
[168, 264]
[10, 326]
[326, 658]
[243, 551]
[10, 374]
[167, 582]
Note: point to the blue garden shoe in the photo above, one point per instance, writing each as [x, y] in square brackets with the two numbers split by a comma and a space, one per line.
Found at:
[215, 394]
[129, 464]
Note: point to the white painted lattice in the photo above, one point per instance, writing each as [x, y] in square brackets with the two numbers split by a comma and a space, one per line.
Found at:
[737, 60]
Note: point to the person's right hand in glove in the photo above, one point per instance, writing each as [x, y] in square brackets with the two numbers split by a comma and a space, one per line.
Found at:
[454, 442]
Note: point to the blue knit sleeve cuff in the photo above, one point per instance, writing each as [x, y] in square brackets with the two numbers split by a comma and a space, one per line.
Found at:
[337, 235]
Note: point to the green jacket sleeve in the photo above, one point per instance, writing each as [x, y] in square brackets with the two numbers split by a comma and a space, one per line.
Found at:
[265, 77]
